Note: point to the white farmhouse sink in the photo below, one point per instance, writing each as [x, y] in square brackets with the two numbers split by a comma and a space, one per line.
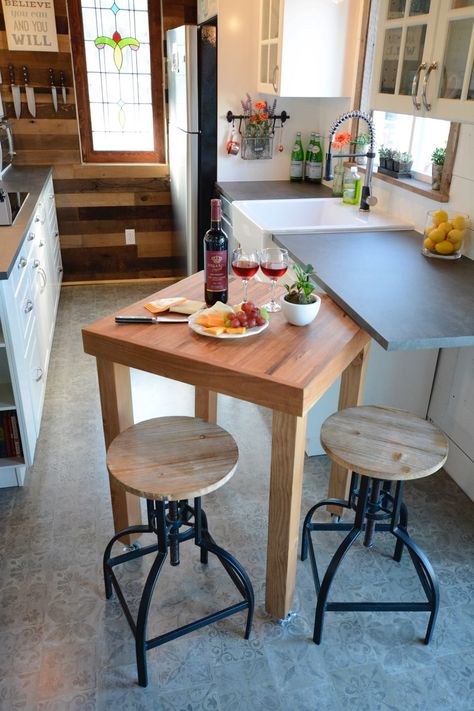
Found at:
[254, 221]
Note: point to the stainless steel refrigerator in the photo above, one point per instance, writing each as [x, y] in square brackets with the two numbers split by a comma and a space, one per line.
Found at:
[192, 134]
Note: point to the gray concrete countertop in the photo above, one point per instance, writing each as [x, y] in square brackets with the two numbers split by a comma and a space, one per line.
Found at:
[25, 180]
[271, 190]
[404, 300]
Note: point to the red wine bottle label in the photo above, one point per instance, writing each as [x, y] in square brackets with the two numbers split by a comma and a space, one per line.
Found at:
[216, 271]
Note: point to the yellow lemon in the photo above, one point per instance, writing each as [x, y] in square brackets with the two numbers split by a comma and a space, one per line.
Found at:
[437, 235]
[446, 226]
[430, 229]
[444, 247]
[440, 216]
[455, 235]
[428, 244]
[459, 223]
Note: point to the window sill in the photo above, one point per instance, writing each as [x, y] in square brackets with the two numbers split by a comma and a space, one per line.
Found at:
[411, 184]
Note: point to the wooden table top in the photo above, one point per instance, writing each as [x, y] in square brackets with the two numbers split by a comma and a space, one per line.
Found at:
[285, 367]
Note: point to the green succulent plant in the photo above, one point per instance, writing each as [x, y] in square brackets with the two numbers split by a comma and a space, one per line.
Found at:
[301, 291]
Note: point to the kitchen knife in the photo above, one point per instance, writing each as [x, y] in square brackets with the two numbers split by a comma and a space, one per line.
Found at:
[30, 93]
[2, 110]
[15, 91]
[54, 91]
[62, 80]
[149, 319]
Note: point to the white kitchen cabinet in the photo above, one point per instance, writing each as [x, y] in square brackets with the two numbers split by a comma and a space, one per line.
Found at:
[28, 305]
[424, 59]
[307, 48]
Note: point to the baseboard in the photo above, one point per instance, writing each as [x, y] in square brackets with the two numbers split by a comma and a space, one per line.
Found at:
[460, 468]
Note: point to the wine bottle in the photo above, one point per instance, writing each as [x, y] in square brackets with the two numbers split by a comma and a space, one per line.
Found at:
[215, 259]
[297, 160]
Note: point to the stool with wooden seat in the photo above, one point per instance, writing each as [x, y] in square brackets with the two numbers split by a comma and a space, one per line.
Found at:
[169, 460]
[383, 448]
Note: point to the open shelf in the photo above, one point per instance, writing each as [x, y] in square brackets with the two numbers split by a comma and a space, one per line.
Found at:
[7, 401]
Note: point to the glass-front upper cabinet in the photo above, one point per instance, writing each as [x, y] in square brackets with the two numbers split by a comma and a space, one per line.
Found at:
[424, 58]
[269, 47]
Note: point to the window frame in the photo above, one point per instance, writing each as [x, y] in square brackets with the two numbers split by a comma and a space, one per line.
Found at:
[89, 155]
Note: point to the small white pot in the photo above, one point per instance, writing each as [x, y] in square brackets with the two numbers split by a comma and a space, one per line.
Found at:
[300, 314]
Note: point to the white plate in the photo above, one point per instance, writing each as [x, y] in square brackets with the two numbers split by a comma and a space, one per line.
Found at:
[200, 329]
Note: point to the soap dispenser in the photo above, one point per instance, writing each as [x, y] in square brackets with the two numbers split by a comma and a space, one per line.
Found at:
[352, 186]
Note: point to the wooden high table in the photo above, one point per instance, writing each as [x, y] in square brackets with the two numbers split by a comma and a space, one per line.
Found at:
[284, 368]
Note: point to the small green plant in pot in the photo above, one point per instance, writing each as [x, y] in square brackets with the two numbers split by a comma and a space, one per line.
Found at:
[300, 305]
[437, 162]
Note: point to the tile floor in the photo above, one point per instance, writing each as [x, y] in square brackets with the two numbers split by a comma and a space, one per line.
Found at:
[63, 647]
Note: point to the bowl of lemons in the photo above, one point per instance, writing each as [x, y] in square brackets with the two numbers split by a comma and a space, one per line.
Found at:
[444, 234]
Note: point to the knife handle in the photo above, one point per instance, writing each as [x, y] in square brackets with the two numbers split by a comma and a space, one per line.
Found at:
[134, 319]
[25, 74]
[11, 73]
[51, 77]
[62, 78]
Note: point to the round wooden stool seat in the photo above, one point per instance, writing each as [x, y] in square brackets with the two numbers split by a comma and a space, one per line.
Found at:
[384, 443]
[172, 458]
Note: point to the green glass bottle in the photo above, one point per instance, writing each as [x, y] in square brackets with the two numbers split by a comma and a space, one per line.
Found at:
[307, 157]
[297, 160]
[314, 170]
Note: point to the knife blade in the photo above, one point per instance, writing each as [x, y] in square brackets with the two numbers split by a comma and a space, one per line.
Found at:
[54, 91]
[2, 110]
[62, 81]
[149, 319]
[15, 91]
[30, 93]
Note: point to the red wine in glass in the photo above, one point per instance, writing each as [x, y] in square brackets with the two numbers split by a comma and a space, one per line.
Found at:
[274, 271]
[274, 264]
[244, 265]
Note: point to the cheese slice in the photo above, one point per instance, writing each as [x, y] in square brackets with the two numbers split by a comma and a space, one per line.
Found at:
[188, 306]
[156, 307]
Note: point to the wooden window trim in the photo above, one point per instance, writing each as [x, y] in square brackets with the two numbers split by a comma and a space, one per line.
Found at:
[412, 185]
[89, 155]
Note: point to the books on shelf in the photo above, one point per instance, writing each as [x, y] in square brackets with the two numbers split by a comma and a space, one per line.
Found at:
[10, 442]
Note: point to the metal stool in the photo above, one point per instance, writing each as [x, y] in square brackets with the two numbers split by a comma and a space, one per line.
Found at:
[382, 447]
[169, 460]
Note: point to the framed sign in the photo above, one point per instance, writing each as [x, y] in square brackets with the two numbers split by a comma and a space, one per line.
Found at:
[30, 25]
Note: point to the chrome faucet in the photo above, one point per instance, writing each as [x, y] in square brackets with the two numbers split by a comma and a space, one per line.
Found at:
[366, 198]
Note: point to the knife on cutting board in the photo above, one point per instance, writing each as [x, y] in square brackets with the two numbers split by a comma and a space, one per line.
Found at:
[30, 93]
[149, 319]
[62, 81]
[54, 91]
[15, 91]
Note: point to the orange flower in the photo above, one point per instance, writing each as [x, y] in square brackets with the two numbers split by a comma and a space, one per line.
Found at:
[341, 140]
[260, 105]
[263, 117]
[254, 118]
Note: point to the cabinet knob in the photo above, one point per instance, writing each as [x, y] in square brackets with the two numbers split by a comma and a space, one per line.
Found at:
[41, 244]
[60, 270]
[37, 218]
[28, 306]
[22, 263]
[51, 197]
[38, 374]
[36, 263]
[31, 236]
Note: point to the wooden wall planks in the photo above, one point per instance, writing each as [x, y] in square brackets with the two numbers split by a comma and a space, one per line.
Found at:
[95, 202]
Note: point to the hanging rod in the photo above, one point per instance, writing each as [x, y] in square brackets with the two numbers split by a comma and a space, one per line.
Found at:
[282, 117]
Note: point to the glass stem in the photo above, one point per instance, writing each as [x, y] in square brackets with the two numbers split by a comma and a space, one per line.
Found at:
[273, 291]
[244, 284]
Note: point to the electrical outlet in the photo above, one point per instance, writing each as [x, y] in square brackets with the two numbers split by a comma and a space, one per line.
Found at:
[129, 236]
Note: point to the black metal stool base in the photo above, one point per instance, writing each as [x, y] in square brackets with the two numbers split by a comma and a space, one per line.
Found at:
[373, 502]
[165, 520]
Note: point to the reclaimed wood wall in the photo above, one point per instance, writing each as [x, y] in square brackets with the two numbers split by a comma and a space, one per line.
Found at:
[96, 203]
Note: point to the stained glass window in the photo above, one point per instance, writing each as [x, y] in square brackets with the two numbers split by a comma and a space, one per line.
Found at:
[114, 62]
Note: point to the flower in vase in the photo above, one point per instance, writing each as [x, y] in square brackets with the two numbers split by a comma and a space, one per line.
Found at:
[341, 140]
[257, 117]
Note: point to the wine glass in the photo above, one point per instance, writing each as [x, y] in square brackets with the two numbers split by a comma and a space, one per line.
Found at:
[273, 263]
[245, 266]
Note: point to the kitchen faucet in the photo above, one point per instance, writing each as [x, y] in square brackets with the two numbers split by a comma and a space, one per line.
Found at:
[366, 198]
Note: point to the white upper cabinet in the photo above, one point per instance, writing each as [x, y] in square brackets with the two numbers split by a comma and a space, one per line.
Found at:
[308, 48]
[424, 59]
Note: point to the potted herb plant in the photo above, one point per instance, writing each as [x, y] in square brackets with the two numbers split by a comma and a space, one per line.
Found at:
[406, 162]
[361, 145]
[383, 156]
[300, 305]
[437, 162]
[389, 158]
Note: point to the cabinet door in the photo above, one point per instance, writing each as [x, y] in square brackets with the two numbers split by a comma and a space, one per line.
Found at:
[450, 85]
[405, 37]
[269, 46]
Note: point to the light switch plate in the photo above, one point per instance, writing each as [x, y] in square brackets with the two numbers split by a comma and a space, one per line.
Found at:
[129, 236]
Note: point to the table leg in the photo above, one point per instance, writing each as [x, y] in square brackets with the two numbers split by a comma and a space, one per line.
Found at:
[117, 414]
[288, 442]
[350, 395]
[205, 404]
